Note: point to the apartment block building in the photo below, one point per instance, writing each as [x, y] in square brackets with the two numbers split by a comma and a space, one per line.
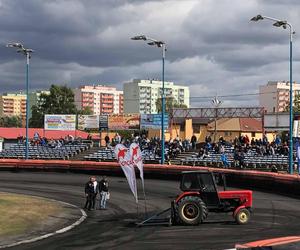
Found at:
[13, 105]
[140, 96]
[102, 100]
[275, 96]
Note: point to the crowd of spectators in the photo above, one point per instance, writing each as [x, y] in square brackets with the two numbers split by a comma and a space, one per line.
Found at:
[38, 140]
[173, 147]
[242, 146]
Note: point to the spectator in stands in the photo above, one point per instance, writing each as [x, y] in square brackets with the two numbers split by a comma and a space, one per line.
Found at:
[236, 141]
[222, 149]
[104, 193]
[207, 139]
[277, 140]
[194, 141]
[186, 145]
[36, 136]
[221, 140]
[71, 139]
[107, 141]
[241, 159]
[202, 153]
[43, 141]
[224, 160]
[58, 144]
[89, 137]
[51, 143]
[246, 139]
[265, 140]
[117, 138]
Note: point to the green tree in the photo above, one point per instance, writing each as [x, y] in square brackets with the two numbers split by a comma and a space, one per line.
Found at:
[296, 106]
[59, 101]
[11, 121]
[170, 104]
[85, 111]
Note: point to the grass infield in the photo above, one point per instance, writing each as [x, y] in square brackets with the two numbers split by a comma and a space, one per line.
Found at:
[20, 214]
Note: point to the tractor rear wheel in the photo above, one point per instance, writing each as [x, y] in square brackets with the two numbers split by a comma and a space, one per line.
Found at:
[191, 210]
[242, 217]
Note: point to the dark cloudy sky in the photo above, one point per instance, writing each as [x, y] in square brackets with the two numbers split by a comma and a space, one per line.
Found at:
[212, 45]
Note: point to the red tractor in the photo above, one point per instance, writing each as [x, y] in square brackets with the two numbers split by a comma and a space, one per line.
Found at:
[200, 196]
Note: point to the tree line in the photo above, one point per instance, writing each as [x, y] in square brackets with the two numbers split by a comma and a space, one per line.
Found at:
[60, 101]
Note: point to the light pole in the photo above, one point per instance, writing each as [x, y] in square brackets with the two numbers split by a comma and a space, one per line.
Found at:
[284, 24]
[159, 44]
[216, 104]
[27, 52]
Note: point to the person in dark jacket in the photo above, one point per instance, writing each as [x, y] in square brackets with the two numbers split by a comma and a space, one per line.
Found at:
[103, 190]
[91, 190]
[194, 141]
[107, 141]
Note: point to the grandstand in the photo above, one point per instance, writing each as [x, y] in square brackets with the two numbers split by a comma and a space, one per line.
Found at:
[108, 155]
[17, 151]
[85, 151]
[251, 160]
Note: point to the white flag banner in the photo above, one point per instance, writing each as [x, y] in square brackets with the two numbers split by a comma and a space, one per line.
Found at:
[124, 158]
[136, 158]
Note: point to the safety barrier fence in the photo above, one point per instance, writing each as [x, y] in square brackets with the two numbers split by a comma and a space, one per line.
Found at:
[274, 182]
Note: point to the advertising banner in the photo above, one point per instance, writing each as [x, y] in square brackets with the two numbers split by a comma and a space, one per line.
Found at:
[154, 121]
[120, 122]
[137, 159]
[124, 158]
[88, 122]
[103, 122]
[296, 129]
[60, 122]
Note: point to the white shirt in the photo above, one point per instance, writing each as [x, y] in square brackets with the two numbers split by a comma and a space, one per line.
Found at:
[95, 186]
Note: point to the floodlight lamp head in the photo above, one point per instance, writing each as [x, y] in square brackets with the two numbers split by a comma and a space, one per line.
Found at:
[257, 18]
[159, 44]
[280, 23]
[151, 43]
[140, 37]
[14, 45]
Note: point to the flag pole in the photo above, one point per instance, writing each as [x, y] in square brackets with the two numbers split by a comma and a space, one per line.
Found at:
[145, 200]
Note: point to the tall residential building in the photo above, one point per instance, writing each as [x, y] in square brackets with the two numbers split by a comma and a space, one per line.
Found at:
[140, 96]
[101, 99]
[275, 97]
[13, 105]
[34, 98]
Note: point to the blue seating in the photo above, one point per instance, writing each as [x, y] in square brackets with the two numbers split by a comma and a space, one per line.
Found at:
[17, 151]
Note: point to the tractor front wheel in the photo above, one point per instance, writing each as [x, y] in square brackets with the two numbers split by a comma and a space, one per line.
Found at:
[191, 210]
[242, 217]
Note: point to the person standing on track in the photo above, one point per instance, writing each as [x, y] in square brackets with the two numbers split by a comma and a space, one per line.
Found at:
[103, 190]
[91, 190]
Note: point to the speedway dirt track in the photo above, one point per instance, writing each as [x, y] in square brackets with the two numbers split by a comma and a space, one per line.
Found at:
[273, 216]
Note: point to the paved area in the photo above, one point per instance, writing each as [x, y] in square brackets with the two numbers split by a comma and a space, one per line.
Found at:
[274, 216]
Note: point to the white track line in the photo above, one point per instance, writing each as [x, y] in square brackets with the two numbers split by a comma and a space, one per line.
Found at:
[60, 231]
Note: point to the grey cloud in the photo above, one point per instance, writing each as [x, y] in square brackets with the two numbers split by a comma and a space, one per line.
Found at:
[212, 45]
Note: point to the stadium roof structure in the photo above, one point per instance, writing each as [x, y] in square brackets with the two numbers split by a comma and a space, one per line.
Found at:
[211, 113]
[14, 133]
[237, 124]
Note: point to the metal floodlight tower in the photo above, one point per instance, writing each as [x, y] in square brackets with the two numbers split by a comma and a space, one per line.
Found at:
[284, 24]
[159, 44]
[216, 103]
[27, 52]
